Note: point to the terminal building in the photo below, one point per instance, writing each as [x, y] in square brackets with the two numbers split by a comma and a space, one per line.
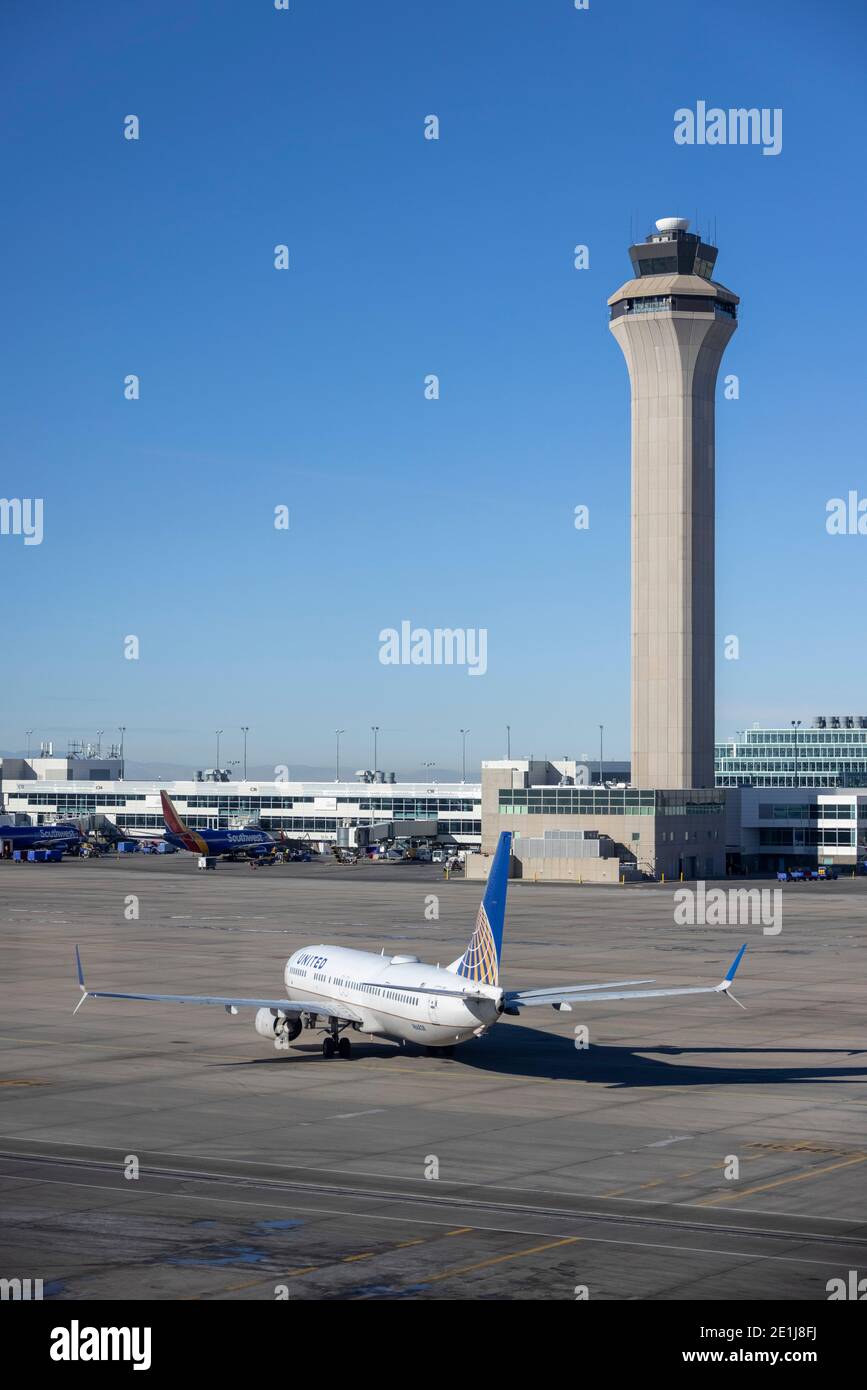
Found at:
[831, 753]
[782, 828]
[638, 832]
[565, 826]
[321, 813]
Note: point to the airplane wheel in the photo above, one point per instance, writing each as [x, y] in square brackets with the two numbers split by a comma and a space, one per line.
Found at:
[328, 1048]
[344, 1047]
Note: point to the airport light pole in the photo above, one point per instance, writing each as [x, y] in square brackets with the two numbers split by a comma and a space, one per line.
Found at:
[99, 734]
[245, 729]
[601, 779]
[464, 733]
[27, 733]
[796, 724]
[337, 733]
[508, 741]
[121, 728]
[218, 732]
[374, 729]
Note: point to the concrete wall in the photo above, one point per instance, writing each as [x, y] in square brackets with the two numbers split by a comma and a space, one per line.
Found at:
[550, 870]
[664, 844]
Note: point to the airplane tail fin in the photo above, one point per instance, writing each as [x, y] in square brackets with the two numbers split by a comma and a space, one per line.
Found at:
[178, 826]
[171, 817]
[481, 960]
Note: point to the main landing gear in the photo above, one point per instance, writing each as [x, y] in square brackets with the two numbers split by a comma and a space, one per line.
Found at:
[333, 1045]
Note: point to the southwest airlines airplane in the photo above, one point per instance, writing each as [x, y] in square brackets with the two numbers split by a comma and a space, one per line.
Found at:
[63, 836]
[213, 842]
[337, 990]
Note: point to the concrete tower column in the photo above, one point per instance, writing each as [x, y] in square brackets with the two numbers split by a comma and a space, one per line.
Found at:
[673, 322]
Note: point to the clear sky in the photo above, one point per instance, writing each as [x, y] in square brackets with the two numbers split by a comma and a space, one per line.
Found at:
[305, 387]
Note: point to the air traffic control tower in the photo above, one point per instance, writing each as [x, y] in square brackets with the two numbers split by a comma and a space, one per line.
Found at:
[672, 322]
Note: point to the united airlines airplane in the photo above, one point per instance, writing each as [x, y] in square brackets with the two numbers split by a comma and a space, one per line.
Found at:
[337, 990]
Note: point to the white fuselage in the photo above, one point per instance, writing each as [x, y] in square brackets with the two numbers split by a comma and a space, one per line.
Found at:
[384, 992]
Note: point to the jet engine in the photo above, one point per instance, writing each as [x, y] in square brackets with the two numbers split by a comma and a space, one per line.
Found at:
[273, 1025]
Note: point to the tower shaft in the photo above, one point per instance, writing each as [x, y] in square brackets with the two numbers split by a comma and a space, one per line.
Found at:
[673, 328]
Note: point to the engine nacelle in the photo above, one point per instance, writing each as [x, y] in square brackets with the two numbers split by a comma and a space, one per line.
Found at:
[273, 1025]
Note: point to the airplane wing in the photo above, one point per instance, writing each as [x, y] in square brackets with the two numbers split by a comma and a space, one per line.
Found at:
[229, 1002]
[564, 998]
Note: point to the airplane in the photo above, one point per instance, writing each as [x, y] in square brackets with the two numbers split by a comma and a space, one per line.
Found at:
[65, 836]
[256, 843]
[335, 989]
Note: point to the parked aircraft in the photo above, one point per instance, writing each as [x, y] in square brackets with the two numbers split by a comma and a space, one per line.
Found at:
[64, 836]
[214, 842]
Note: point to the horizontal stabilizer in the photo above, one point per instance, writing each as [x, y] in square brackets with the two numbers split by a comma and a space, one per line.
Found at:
[598, 994]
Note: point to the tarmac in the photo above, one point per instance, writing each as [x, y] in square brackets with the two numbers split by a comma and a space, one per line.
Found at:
[694, 1150]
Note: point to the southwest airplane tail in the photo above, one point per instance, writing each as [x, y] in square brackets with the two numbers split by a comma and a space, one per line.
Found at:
[179, 830]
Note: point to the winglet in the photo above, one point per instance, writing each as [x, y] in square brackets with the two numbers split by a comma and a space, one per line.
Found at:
[734, 965]
[724, 986]
[81, 984]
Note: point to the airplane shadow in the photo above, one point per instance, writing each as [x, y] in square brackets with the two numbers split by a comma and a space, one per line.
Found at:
[532, 1053]
[515, 1051]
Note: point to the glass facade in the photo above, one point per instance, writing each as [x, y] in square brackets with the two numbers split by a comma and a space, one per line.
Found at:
[780, 836]
[74, 801]
[617, 801]
[307, 813]
[806, 757]
[686, 304]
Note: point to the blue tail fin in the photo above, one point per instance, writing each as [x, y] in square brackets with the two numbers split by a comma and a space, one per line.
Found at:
[481, 959]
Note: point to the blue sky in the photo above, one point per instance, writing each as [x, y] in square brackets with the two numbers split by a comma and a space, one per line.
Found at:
[305, 387]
